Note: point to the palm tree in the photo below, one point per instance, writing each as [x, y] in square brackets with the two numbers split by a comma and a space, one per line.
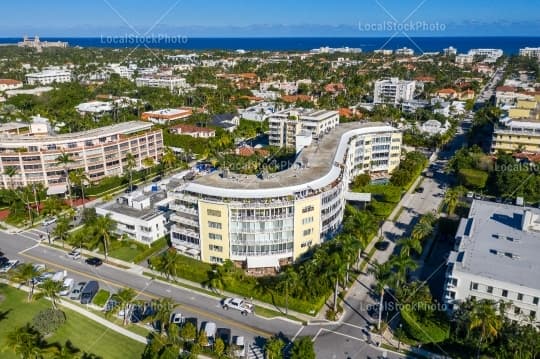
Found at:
[10, 171]
[125, 298]
[402, 265]
[52, 206]
[130, 165]
[408, 245]
[428, 218]
[451, 200]
[61, 230]
[66, 351]
[337, 271]
[64, 160]
[79, 178]
[382, 272]
[349, 248]
[24, 274]
[162, 313]
[484, 317]
[361, 225]
[168, 160]
[103, 227]
[167, 263]
[50, 289]
[148, 163]
[421, 231]
[25, 342]
[289, 279]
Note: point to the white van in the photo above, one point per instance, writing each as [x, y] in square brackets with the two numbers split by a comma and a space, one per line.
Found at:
[67, 286]
[49, 221]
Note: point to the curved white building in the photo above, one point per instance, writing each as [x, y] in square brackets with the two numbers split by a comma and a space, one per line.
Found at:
[262, 223]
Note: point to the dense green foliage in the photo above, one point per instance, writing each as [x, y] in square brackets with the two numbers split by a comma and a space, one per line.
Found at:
[48, 321]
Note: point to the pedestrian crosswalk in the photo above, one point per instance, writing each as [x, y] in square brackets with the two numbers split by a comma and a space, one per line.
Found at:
[34, 234]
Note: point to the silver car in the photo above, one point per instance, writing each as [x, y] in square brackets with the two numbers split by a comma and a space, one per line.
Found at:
[76, 292]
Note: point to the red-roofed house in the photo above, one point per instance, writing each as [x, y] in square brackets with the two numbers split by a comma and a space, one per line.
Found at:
[425, 79]
[166, 115]
[466, 95]
[447, 93]
[10, 84]
[193, 131]
[334, 88]
[295, 98]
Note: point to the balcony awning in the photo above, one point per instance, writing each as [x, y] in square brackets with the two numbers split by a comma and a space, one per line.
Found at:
[262, 262]
[53, 190]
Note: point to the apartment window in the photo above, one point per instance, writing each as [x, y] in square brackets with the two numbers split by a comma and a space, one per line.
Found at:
[532, 314]
[308, 232]
[215, 248]
[306, 244]
[520, 296]
[474, 286]
[215, 236]
[216, 259]
[213, 213]
[214, 225]
[517, 311]
[308, 209]
[307, 220]
[535, 300]
[505, 293]
[490, 289]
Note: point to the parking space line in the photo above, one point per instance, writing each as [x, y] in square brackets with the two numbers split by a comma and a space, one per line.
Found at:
[29, 248]
[298, 333]
[197, 311]
[316, 335]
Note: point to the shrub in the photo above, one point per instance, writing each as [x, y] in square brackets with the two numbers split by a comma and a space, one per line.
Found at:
[431, 329]
[472, 178]
[48, 321]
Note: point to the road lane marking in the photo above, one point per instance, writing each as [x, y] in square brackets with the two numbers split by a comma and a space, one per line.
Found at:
[352, 325]
[29, 248]
[342, 334]
[200, 312]
[297, 333]
[316, 335]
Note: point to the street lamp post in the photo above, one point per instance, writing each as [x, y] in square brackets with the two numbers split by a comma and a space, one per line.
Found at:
[48, 234]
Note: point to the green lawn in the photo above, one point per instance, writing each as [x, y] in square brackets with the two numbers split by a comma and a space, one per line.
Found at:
[84, 333]
[125, 253]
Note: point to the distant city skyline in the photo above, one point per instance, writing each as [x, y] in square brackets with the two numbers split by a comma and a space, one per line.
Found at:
[280, 18]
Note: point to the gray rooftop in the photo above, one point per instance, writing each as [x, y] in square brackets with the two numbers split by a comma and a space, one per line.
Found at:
[313, 163]
[493, 245]
[143, 214]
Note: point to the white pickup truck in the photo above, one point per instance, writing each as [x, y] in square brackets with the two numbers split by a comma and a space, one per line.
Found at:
[239, 304]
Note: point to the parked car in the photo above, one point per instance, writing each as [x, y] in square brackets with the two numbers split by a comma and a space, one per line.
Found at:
[39, 267]
[49, 221]
[3, 260]
[239, 304]
[94, 261]
[74, 254]
[177, 318]
[239, 347]
[132, 189]
[382, 245]
[67, 286]
[210, 331]
[89, 291]
[9, 265]
[419, 190]
[76, 292]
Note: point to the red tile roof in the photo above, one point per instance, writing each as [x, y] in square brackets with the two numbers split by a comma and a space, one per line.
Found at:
[506, 89]
[9, 82]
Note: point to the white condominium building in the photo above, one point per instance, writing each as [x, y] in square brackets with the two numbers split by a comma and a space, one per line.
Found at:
[268, 220]
[288, 127]
[173, 84]
[47, 77]
[393, 91]
[530, 52]
[141, 215]
[100, 152]
[496, 258]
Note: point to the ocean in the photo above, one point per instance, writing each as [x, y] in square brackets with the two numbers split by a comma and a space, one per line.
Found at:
[510, 45]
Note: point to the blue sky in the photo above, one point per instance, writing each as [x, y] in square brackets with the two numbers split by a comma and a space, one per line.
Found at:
[265, 17]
